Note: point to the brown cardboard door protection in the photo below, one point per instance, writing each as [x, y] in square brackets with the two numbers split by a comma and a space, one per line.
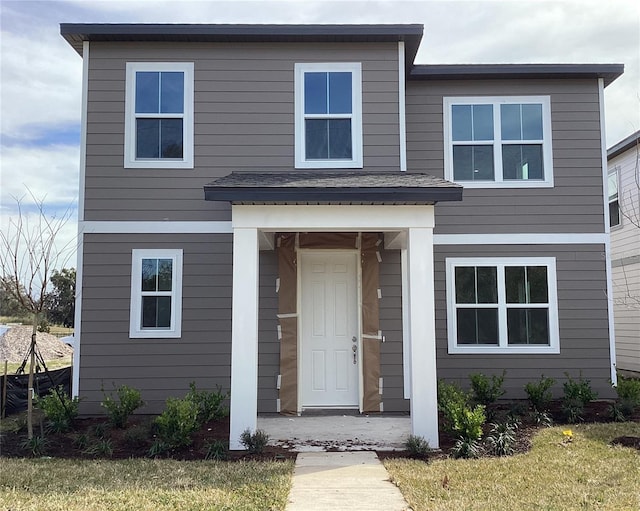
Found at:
[288, 313]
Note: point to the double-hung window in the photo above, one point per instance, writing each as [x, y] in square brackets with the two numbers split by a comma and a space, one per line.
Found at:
[159, 115]
[614, 202]
[498, 142]
[328, 110]
[156, 293]
[502, 305]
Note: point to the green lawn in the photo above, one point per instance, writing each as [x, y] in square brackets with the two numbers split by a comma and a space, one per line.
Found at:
[587, 473]
[142, 485]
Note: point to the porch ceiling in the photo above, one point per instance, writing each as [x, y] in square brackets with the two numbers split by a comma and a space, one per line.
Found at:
[332, 187]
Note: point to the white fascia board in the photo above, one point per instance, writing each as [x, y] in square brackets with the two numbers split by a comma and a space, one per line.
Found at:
[154, 227]
[521, 239]
[332, 217]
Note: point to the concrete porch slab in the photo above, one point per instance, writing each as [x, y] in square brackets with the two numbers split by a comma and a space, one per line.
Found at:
[337, 432]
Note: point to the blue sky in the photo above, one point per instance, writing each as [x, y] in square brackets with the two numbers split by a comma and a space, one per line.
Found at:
[40, 80]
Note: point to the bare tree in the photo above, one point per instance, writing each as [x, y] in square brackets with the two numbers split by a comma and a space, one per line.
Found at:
[28, 256]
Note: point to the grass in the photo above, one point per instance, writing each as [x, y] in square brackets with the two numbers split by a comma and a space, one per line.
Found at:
[153, 485]
[587, 473]
[52, 365]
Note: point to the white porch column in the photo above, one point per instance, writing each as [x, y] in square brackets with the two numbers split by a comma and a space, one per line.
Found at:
[244, 335]
[424, 395]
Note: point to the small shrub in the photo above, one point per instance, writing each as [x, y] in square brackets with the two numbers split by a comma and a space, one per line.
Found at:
[541, 418]
[81, 441]
[102, 447]
[100, 430]
[616, 412]
[628, 390]
[59, 409]
[136, 436]
[577, 393]
[216, 450]
[487, 391]
[254, 442]
[469, 423]
[210, 403]
[517, 410]
[118, 411]
[417, 445]
[451, 400]
[501, 440]
[466, 448]
[178, 422]
[157, 448]
[36, 445]
[539, 393]
[44, 327]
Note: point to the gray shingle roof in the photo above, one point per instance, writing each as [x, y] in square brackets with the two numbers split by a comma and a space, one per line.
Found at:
[331, 187]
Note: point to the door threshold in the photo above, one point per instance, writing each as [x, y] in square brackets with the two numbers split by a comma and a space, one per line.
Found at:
[325, 412]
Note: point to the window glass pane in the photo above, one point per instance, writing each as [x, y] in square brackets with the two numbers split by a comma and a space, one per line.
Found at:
[172, 92]
[515, 283]
[340, 93]
[147, 137]
[510, 122]
[538, 286]
[473, 163]
[317, 139]
[522, 162]
[528, 326]
[147, 92]
[340, 139]
[532, 122]
[156, 311]
[461, 122]
[482, 122]
[465, 284]
[315, 93]
[487, 285]
[613, 186]
[614, 213]
[164, 274]
[149, 274]
[477, 326]
[171, 138]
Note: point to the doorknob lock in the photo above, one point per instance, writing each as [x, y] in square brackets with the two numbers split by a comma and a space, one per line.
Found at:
[354, 348]
[354, 339]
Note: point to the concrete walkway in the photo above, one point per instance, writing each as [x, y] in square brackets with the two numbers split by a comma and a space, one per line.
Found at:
[343, 480]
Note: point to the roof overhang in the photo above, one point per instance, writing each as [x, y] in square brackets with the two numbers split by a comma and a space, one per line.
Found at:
[76, 33]
[609, 72]
[331, 187]
[632, 140]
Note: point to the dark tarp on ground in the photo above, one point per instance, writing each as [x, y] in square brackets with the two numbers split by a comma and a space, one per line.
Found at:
[18, 385]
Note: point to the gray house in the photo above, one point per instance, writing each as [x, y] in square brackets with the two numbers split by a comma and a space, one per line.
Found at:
[279, 210]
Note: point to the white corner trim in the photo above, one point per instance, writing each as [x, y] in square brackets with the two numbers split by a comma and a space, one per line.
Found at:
[77, 319]
[402, 118]
[406, 324]
[154, 227]
[83, 129]
[521, 239]
[607, 230]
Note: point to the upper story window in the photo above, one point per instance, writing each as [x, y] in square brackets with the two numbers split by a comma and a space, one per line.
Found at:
[498, 142]
[328, 105]
[159, 115]
[502, 305]
[614, 204]
[156, 293]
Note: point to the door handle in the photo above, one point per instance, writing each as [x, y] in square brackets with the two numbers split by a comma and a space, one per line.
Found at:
[354, 348]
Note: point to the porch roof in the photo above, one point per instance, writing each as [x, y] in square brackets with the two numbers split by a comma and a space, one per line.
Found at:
[332, 187]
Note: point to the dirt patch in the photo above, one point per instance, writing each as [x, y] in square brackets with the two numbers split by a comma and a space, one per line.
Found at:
[15, 342]
[627, 441]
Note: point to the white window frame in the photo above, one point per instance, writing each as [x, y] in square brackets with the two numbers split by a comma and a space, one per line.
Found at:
[135, 321]
[616, 172]
[130, 160]
[496, 101]
[503, 348]
[356, 161]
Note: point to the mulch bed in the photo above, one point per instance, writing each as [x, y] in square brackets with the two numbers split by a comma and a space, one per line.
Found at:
[137, 439]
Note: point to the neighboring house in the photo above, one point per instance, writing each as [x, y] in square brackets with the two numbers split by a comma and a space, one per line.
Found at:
[624, 219]
[279, 210]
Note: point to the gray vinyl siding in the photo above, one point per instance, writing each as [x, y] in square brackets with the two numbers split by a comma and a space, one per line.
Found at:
[244, 120]
[574, 204]
[582, 316]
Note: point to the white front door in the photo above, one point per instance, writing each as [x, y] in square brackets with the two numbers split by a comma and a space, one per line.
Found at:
[329, 330]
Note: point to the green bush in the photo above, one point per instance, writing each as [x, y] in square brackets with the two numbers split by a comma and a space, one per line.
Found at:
[486, 391]
[628, 390]
[577, 393]
[254, 442]
[210, 403]
[417, 445]
[59, 409]
[459, 417]
[501, 439]
[178, 422]
[451, 399]
[466, 448]
[36, 445]
[102, 447]
[216, 450]
[158, 447]
[118, 411]
[539, 393]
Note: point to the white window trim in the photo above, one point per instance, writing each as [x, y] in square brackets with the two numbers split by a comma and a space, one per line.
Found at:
[503, 348]
[356, 161]
[135, 328]
[130, 161]
[496, 101]
[616, 171]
